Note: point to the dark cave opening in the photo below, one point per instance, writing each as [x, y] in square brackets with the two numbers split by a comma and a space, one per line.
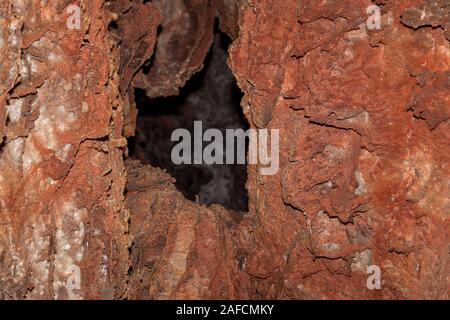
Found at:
[213, 97]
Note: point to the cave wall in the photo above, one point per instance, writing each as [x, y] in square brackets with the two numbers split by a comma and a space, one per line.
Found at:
[364, 175]
[64, 226]
[364, 168]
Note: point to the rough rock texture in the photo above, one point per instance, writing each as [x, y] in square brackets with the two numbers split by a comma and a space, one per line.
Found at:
[136, 41]
[228, 12]
[364, 177]
[364, 170]
[364, 173]
[184, 39]
[64, 226]
[181, 250]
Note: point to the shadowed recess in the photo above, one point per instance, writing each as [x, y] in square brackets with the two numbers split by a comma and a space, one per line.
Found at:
[210, 96]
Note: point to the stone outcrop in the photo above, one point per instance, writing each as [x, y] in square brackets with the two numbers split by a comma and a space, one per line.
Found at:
[364, 175]
[62, 176]
[364, 178]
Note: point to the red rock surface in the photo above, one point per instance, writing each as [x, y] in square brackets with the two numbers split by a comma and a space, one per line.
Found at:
[181, 250]
[364, 176]
[364, 173]
[186, 33]
[61, 166]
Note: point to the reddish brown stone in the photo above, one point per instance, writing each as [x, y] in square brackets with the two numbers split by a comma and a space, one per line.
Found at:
[363, 179]
[183, 42]
[364, 173]
[61, 181]
[181, 250]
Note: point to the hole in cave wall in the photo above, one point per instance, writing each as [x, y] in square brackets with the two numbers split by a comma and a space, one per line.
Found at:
[213, 97]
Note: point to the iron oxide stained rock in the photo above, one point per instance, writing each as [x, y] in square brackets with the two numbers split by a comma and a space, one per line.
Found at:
[228, 13]
[136, 42]
[183, 41]
[181, 250]
[64, 225]
[364, 173]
